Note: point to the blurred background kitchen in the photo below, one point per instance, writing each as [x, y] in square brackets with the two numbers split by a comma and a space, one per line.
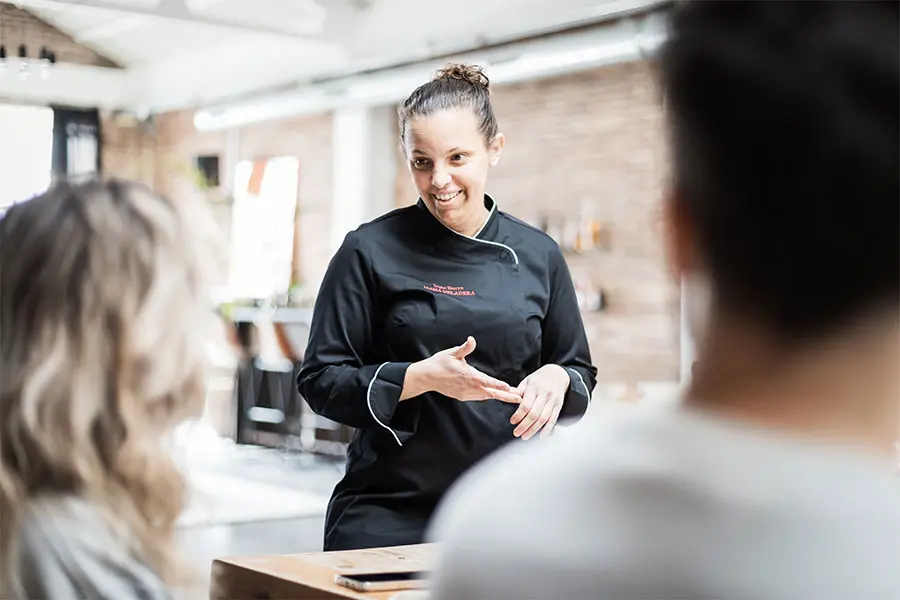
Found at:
[282, 115]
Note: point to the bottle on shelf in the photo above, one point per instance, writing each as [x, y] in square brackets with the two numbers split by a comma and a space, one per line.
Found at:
[585, 217]
[597, 234]
[570, 236]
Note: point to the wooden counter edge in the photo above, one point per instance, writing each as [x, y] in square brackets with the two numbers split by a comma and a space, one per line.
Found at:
[279, 577]
[232, 581]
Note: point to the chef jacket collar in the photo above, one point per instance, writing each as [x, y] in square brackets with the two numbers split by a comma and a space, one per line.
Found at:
[487, 231]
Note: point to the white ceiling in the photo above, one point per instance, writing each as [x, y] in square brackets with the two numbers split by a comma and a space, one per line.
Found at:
[190, 53]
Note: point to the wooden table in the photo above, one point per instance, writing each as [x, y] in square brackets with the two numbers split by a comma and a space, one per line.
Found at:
[311, 576]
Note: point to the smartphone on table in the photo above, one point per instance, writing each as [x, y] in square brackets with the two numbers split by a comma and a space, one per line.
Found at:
[377, 582]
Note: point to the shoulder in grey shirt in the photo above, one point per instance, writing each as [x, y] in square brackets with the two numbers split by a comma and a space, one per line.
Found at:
[63, 549]
[669, 505]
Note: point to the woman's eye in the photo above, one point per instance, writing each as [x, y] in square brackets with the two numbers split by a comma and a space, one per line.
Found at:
[420, 163]
[456, 157]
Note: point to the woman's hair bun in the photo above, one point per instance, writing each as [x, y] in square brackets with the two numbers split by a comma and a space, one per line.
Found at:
[474, 74]
[456, 86]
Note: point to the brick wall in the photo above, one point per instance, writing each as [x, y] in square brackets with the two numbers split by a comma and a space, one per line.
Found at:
[22, 27]
[595, 141]
[129, 149]
[593, 138]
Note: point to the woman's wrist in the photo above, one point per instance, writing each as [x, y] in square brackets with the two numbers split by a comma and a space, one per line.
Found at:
[415, 383]
[564, 379]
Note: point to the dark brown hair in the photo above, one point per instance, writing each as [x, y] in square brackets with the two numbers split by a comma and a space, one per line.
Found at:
[456, 86]
[799, 140]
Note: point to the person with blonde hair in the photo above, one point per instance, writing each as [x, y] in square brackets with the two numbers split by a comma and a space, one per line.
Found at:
[102, 352]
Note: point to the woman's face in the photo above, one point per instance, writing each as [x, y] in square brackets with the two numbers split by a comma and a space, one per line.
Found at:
[449, 163]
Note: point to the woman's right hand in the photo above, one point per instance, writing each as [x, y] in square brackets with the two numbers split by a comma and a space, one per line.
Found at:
[448, 373]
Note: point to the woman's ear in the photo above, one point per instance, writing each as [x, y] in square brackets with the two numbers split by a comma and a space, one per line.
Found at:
[495, 148]
[401, 150]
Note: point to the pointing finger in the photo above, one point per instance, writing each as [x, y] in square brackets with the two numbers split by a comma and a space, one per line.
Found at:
[503, 396]
[485, 380]
[522, 386]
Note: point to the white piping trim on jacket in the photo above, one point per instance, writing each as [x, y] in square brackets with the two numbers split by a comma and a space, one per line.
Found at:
[477, 239]
[583, 384]
[369, 404]
[483, 225]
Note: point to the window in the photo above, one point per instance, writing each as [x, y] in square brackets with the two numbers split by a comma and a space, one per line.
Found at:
[262, 239]
[26, 150]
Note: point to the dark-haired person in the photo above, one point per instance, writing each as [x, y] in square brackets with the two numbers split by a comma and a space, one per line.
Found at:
[777, 477]
[443, 330]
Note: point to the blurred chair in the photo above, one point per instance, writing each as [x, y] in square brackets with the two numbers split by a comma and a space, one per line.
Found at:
[316, 433]
[271, 366]
[269, 409]
[263, 383]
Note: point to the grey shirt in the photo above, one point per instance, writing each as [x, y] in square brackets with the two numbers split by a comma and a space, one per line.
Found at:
[63, 549]
[667, 505]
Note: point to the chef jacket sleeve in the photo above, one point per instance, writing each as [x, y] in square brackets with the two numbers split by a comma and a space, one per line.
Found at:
[336, 378]
[564, 341]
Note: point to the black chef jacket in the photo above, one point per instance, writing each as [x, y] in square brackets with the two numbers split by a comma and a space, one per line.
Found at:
[400, 289]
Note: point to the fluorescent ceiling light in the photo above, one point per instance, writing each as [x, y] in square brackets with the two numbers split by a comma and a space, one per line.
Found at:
[625, 41]
[537, 64]
[275, 107]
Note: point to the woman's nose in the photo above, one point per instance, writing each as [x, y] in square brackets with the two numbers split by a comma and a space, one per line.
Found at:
[440, 178]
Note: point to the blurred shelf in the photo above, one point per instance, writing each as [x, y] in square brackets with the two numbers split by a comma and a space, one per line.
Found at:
[286, 314]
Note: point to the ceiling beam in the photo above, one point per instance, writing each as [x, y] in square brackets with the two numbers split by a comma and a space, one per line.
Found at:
[109, 30]
[177, 10]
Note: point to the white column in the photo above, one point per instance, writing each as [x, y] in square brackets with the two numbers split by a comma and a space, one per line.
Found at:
[686, 346]
[230, 158]
[383, 156]
[350, 168]
[364, 158]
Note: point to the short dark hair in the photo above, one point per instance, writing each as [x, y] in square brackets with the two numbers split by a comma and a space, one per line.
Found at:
[457, 86]
[784, 121]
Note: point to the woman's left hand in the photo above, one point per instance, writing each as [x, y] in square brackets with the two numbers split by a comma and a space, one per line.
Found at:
[542, 394]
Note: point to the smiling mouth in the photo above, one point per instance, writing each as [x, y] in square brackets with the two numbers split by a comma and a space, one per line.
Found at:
[446, 197]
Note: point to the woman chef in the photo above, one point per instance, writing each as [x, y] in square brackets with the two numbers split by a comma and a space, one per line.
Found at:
[442, 330]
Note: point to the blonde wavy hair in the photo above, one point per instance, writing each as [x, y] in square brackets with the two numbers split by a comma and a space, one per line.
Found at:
[102, 352]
